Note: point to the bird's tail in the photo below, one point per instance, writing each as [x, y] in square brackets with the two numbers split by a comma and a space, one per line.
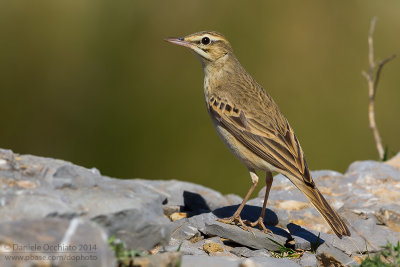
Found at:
[330, 215]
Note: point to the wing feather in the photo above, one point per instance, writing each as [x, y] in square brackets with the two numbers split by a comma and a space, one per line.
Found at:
[278, 146]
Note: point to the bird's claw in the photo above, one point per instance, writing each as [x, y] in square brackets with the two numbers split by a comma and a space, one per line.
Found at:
[260, 223]
[235, 219]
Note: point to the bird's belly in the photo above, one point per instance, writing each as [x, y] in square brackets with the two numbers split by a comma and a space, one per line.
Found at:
[246, 156]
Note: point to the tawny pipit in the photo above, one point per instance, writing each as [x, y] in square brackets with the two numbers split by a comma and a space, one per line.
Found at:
[252, 126]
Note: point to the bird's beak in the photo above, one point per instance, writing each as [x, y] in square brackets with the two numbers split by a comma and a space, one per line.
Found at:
[179, 41]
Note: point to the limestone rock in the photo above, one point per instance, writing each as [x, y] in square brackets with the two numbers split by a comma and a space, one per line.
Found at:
[47, 200]
[247, 253]
[328, 255]
[35, 188]
[262, 261]
[191, 196]
[201, 261]
[182, 230]
[255, 239]
[394, 162]
[53, 241]
[159, 260]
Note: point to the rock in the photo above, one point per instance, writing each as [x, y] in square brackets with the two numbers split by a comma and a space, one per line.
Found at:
[374, 187]
[182, 230]
[389, 215]
[365, 170]
[280, 186]
[159, 260]
[192, 196]
[254, 239]
[35, 188]
[43, 199]
[136, 235]
[233, 199]
[248, 263]
[289, 205]
[247, 253]
[171, 209]
[262, 261]
[308, 260]
[201, 261]
[328, 255]
[178, 216]
[367, 235]
[212, 248]
[199, 221]
[394, 162]
[188, 248]
[303, 238]
[372, 236]
[53, 241]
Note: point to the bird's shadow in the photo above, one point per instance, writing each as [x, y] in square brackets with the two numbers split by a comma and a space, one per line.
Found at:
[298, 231]
[195, 204]
[249, 213]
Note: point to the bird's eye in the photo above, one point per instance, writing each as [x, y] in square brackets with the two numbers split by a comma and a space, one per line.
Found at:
[205, 40]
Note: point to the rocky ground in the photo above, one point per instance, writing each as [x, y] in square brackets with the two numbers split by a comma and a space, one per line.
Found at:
[55, 213]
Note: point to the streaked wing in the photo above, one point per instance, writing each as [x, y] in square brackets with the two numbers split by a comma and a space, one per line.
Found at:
[276, 145]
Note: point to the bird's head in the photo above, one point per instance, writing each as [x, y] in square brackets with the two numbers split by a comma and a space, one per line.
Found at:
[209, 46]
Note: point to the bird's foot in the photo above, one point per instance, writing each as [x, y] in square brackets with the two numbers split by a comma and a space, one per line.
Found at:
[260, 224]
[235, 219]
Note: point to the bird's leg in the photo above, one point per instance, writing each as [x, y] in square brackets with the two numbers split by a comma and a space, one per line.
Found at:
[260, 221]
[235, 218]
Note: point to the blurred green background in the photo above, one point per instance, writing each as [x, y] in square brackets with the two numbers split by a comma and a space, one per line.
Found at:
[93, 82]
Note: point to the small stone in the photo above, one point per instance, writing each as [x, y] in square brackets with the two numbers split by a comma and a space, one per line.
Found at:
[170, 209]
[214, 243]
[196, 239]
[154, 250]
[177, 216]
[212, 248]
[359, 258]
[26, 184]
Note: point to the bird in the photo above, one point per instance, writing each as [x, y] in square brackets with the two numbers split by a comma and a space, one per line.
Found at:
[251, 124]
